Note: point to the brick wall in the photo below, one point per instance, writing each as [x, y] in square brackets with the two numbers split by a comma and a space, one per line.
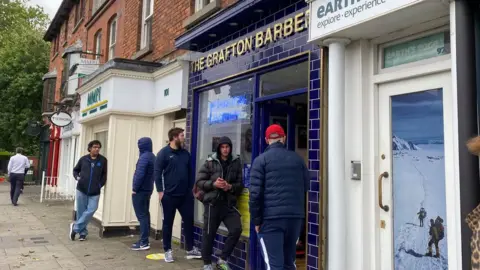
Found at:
[168, 19]
[279, 50]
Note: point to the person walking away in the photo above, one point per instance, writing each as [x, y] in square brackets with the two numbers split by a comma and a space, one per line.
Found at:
[221, 181]
[142, 191]
[174, 182]
[422, 214]
[17, 167]
[91, 175]
[437, 233]
[279, 180]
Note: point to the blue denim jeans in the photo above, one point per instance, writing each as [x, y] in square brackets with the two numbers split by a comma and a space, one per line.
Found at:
[141, 205]
[86, 207]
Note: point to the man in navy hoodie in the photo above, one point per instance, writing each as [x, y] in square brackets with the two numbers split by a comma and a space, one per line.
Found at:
[91, 175]
[142, 191]
[279, 180]
[174, 181]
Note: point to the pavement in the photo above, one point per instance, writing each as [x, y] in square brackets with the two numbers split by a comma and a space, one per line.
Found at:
[34, 235]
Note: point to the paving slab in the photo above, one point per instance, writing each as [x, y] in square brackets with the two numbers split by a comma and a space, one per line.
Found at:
[34, 235]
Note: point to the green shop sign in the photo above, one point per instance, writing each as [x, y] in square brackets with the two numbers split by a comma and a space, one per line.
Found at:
[95, 102]
[94, 96]
[416, 50]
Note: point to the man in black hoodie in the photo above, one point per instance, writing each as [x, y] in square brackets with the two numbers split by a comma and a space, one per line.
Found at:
[221, 180]
[91, 176]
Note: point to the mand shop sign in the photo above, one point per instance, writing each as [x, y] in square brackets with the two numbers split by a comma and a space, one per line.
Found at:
[288, 27]
[94, 96]
[330, 16]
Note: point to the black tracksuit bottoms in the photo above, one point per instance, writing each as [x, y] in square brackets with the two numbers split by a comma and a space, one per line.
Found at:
[213, 217]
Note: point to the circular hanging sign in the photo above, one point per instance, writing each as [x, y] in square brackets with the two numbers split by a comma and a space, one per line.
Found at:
[61, 119]
[156, 256]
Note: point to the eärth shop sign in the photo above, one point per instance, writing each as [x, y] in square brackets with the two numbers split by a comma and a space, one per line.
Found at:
[330, 16]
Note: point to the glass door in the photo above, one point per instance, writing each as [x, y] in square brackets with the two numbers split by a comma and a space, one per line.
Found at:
[281, 114]
[411, 178]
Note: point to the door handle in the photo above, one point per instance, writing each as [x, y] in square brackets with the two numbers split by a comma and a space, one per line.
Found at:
[380, 203]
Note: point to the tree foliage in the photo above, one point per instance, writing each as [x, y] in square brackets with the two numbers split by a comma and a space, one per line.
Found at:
[24, 58]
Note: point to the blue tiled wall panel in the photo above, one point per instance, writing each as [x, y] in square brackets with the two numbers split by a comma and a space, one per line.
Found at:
[273, 52]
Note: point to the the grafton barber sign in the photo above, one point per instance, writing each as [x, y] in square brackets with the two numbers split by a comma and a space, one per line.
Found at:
[330, 16]
[278, 31]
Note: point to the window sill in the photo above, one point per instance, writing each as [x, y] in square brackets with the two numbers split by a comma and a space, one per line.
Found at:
[143, 52]
[54, 56]
[77, 26]
[202, 14]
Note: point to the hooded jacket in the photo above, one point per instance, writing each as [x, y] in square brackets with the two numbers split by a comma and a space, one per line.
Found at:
[143, 177]
[213, 169]
[279, 180]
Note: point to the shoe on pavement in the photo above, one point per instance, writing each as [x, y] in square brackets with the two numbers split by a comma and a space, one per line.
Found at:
[207, 267]
[222, 265]
[82, 238]
[169, 256]
[194, 254]
[72, 234]
[137, 246]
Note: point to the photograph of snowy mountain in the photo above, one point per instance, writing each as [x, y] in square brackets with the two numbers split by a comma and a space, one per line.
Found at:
[419, 206]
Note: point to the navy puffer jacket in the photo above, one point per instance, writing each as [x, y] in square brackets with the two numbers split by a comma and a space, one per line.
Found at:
[143, 177]
[279, 180]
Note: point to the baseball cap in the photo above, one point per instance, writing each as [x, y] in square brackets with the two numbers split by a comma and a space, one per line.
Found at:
[274, 132]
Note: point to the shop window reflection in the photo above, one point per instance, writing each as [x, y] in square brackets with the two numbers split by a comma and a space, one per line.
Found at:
[224, 111]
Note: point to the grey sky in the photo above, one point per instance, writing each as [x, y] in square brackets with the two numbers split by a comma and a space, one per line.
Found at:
[49, 6]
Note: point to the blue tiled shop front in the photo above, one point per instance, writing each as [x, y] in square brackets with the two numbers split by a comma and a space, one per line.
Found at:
[219, 63]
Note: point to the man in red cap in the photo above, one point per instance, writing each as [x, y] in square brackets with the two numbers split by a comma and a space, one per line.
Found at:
[279, 180]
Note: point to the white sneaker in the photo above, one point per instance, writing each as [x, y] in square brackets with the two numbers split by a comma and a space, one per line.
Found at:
[208, 267]
[194, 254]
[169, 256]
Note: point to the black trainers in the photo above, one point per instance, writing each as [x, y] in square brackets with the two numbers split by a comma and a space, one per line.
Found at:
[82, 238]
[72, 234]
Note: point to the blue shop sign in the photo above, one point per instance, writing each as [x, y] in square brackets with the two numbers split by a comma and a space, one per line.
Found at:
[227, 110]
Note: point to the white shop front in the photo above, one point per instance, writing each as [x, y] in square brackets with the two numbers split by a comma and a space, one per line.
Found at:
[393, 67]
[69, 155]
[118, 107]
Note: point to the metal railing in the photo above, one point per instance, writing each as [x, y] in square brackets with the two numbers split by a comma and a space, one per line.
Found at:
[57, 188]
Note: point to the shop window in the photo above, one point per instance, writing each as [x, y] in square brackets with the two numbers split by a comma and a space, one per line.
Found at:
[98, 44]
[224, 111]
[199, 4]
[112, 40]
[147, 19]
[286, 79]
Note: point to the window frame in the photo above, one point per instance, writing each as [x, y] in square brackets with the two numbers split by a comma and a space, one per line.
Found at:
[98, 44]
[146, 34]
[257, 99]
[112, 35]
[199, 4]
[65, 31]
[96, 5]
[147, 22]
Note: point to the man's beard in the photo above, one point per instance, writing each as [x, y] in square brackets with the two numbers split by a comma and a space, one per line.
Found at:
[179, 144]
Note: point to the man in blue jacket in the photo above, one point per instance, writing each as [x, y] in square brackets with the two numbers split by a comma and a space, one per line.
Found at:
[91, 175]
[279, 181]
[174, 181]
[142, 191]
